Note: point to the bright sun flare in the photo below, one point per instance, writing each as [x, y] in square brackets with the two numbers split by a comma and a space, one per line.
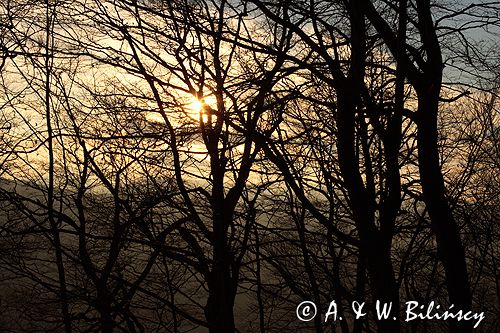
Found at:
[197, 105]
[197, 108]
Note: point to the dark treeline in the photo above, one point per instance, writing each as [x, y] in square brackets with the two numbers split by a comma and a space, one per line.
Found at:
[207, 165]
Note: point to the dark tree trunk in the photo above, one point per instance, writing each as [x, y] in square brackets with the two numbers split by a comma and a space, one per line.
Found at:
[427, 82]
[449, 244]
[221, 285]
[219, 307]
[384, 286]
[104, 307]
[374, 249]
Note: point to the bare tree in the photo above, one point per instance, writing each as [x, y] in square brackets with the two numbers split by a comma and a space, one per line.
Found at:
[208, 165]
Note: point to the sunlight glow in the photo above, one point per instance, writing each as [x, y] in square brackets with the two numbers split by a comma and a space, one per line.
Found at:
[198, 108]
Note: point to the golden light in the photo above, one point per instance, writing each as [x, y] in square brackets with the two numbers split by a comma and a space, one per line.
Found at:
[197, 106]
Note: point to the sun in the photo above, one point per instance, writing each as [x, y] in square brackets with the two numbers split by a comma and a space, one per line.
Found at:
[197, 105]
[198, 108]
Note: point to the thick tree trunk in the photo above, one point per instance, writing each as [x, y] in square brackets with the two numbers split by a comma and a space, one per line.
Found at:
[449, 244]
[374, 249]
[219, 307]
[221, 285]
[384, 287]
[104, 308]
[427, 82]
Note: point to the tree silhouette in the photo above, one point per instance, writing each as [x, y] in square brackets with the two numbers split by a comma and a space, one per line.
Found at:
[192, 165]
